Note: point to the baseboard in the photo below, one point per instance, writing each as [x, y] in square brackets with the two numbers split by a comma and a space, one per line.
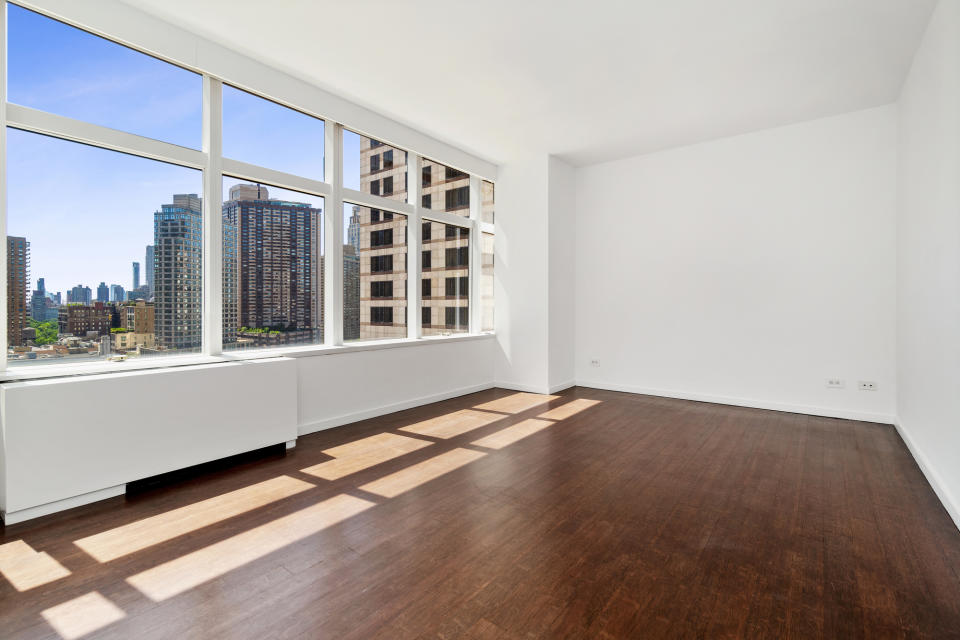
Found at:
[557, 388]
[366, 414]
[812, 410]
[933, 478]
[30, 513]
[519, 386]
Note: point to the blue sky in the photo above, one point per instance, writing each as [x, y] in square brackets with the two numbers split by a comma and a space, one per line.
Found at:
[88, 212]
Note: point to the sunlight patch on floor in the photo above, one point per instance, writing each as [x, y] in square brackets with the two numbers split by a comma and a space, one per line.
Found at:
[516, 403]
[193, 569]
[363, 454]
[421, 473]
[136, 536]
[571, 408]
[513, 433]
[83, 615]
[26, 569]
[452, 424]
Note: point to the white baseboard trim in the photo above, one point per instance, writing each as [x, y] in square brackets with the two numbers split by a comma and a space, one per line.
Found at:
[562, 386]
[16, 517]
[947, 499]
[812, 410]
[366, 414]
[519, 386]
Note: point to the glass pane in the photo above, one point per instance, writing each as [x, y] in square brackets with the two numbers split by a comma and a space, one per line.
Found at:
[486, 282]
[374, 274]
[372, 167]
[69, 72]
[270, 135]
[119, 210]
[446, 265]
[272, 266]
[486, 203]
[444, 188]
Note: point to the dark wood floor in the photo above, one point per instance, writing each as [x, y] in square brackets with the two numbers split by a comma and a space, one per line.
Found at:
[612, 516]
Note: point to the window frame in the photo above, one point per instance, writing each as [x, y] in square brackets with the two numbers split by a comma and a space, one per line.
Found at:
[214, 166]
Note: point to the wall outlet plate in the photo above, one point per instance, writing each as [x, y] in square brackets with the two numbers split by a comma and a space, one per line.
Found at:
[835, 383]
[595, 362]
[866, 385]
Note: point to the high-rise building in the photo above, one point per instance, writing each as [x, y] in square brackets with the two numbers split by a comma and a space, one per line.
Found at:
[103, 292]
[276, 264]
[18, 281]
[136, 275]
[117, 294]
[81, 319]
[381, 242]
[178, 302]
[148, 265]
[351, 293]
[42, 305]
[80, 295]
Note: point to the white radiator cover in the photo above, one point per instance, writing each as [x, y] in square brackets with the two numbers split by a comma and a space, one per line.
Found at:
[68, 437]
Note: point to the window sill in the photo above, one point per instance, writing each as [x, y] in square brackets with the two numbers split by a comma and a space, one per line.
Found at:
[307, 351]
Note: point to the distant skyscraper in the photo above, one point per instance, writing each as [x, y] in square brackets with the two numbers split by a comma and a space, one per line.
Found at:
[117, 294]
[80, 295]
[277, 263]
[136, 275]
[18, 281]
[351, 292]
[149, 266]
[178, 294]
[103, 292]
[40, 302]
[353, 229]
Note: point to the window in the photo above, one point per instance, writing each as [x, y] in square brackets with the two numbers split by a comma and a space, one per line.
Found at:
[486, 202]
[425, 232]
[267, 134]
[454, 275]
[425, 288]
[446, 189]
[425, 316]
[364, 157]
[425, 259]
[56, 261]
[374, 274]
[272, 274]
[381, 238]
[426, 200]
[382, 289]
[381, 315]
[486, 282]
[60, 69]
[457, 318]
[426, 173]
[457, 287]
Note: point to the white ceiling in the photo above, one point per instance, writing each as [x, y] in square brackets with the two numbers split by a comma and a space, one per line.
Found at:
[588, 81]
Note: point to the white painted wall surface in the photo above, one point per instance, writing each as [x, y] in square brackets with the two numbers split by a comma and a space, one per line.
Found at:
[522, 355]
[928, 257]
[746, 270]
[66, 437]
[562, 260]
[344, 388]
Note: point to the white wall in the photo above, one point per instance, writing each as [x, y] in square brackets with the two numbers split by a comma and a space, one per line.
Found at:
[928, 257]
[561, 194]
[344, 388]
[746, 270]
[521, 274]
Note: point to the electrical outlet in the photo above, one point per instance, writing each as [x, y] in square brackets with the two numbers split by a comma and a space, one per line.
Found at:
[866, 385]
[835, 383]
[595, 362]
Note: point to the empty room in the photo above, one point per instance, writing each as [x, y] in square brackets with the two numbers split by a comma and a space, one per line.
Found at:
[479, 320]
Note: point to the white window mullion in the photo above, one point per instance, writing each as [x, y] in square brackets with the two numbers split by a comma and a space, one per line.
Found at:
[213, 217]
[3, 184]
[476, 261]
[333, 229]
[414, 237]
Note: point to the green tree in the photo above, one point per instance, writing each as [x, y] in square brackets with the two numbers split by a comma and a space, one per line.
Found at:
[47, 332]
